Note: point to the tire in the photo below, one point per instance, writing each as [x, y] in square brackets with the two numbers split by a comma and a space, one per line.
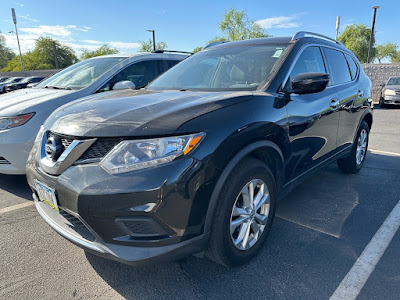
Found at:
[231, 202]
[353, 163]
[382, 102]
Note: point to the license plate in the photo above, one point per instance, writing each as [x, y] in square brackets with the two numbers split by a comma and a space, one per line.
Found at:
[46, 194]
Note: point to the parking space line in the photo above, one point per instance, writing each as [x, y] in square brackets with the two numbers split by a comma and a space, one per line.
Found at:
[14, 207]
[384, 152]
[356, 278]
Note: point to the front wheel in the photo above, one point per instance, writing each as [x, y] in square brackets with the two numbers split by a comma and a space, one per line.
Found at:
[244, 213]
[354, 162]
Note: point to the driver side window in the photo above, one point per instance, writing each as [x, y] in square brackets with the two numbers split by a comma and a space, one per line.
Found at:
[309, 61]
[140, 74]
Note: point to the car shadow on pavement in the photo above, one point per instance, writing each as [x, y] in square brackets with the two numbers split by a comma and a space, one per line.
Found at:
[17, 185]
[320, 229]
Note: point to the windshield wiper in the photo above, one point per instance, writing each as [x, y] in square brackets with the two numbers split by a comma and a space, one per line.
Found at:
[57, 87]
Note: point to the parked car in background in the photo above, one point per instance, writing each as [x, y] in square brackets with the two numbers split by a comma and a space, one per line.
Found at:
[390, 93]
[2, 79]
[8, 81]
[24, 111]
[23, 83]
[197, 160]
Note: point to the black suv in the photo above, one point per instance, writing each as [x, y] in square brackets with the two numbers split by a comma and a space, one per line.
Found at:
[197, 160]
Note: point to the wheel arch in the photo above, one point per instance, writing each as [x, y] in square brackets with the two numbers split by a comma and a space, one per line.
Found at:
[267, 152]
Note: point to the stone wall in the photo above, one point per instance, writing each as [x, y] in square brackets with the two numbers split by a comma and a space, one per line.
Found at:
[380, 73]
[45, 73]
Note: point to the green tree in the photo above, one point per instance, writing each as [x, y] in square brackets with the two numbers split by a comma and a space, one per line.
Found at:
[6, 54]
[235, 26]
[395, 58]
[356, 38]
[197, 49]
[386, 50]
[42, 57]
[148, 46]
[103, 50]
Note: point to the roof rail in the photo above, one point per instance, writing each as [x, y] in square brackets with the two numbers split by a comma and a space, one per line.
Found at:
[215, 43]
[302, 34]
[173, 51]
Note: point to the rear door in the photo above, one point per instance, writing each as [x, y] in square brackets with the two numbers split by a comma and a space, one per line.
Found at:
[343, 74]
[313, 122]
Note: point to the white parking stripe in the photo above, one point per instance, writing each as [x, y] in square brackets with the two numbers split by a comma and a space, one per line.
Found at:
[384, 152]
[354, 281]
[14, 207]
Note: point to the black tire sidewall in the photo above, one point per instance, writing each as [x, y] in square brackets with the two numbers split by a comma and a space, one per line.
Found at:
[243, 174]
[356, 166]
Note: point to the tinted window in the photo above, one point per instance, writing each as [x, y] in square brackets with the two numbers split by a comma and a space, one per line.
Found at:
[309, 61]
[171, 63]
[339, 70]
[140, 74]
[352, 66]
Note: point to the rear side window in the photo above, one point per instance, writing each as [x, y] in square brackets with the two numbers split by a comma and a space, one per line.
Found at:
[352, 65]
[309, 61]
[339, 70]
[171, 63]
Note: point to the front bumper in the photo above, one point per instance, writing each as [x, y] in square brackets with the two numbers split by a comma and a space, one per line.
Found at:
[395, 100]
[74, 229]
[172, 199]
[15, 145]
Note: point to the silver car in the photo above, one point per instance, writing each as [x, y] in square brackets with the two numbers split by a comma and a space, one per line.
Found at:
[390, 92]
[24, 111]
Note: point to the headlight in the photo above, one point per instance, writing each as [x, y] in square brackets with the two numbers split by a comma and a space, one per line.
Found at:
[390, 92]
[139, 154]
[10, 122]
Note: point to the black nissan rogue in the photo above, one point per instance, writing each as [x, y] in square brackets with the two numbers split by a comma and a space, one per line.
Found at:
[197, 160]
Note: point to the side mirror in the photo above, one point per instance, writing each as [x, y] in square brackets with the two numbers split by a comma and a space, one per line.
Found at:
[307, 83]
[124, 85]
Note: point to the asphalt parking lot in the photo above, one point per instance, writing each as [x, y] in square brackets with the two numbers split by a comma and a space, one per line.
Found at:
[321, 229]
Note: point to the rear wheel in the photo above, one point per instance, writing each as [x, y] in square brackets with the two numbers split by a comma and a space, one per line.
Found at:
[244, 213]
[354, 162]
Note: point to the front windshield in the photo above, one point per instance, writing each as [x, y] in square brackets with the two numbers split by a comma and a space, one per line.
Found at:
[25, 80]
[3, 79]
[80, 75]
[394, 81]
[231, 68]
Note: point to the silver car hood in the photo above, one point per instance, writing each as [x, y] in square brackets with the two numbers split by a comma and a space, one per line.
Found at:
[393, 87]
[21, 100]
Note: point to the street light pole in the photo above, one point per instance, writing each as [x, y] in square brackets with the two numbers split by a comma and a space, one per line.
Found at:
[154, 38]
[337, 26]
[372, 35]
[16, 32]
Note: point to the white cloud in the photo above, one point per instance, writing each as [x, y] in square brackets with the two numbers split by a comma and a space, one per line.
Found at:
[65, 34]
[29, 18]
[279, 22]
[19, 4]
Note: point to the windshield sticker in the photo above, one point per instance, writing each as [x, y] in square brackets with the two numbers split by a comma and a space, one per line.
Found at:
[278, 53]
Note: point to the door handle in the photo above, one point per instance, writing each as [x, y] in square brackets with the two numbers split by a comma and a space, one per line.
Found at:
[334, 103]
[360, 93]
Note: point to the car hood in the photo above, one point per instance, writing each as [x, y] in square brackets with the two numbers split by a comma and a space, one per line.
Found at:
[393, 87]
[137, 113]
[22, 100]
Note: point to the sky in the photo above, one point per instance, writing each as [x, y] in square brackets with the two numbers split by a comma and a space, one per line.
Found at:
[183, 25]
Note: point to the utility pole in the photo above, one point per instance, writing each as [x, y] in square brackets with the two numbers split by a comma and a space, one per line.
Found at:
[372, 35]
[154, 38]
[55, 54]
[16, 32]
[337, 26]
